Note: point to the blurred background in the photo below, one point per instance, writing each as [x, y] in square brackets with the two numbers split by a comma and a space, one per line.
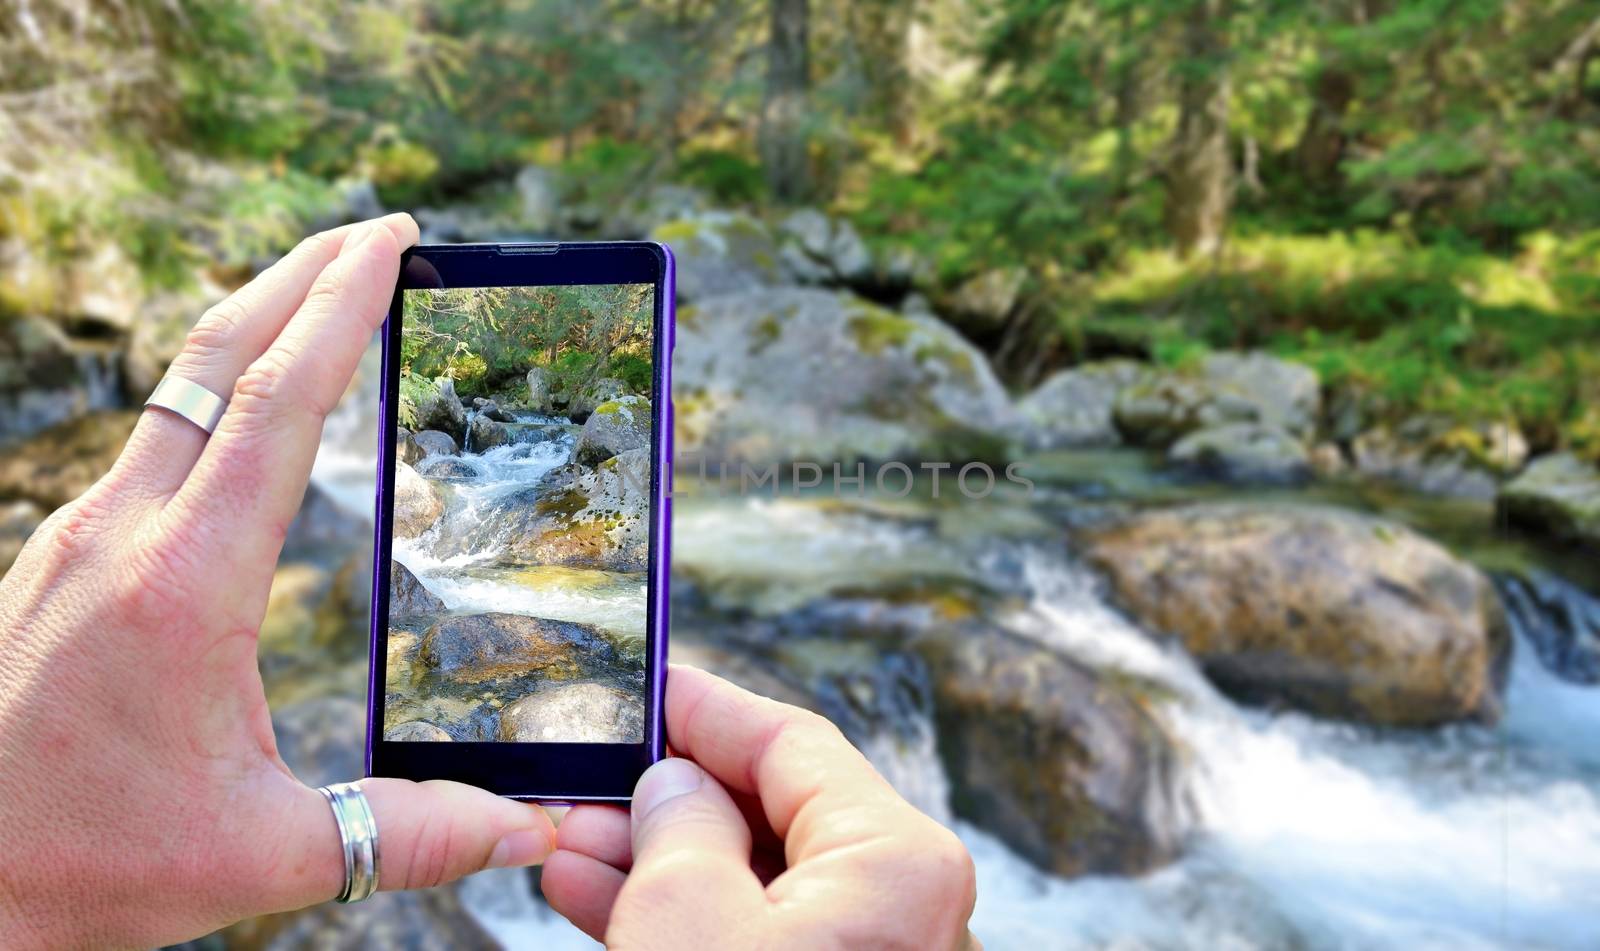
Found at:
[1290, 312]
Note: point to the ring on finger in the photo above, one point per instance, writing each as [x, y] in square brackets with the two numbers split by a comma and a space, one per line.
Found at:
[189, 400]
[358, 836]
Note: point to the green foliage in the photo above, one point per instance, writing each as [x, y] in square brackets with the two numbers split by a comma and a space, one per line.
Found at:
[729, 177]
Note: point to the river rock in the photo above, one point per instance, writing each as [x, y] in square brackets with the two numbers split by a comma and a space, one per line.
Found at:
[406, 449]
[1066, 766]
[985, 300]
[417, 505]
[480, 647]
[599, 520]
[55, 466]
[439, 408]
[1440, 456]
[721, 252]
[432, 442]
[1557, 495]
[1074, 407]
[539, 396]
[447, 468]
[805, 374]
[1243, 452]
[1225, 388]
[408, 596]
[484, 434]
[416, 731]
[489, 409]
[575, 713]
[1336, 613]
[637, 213]
[615, 427]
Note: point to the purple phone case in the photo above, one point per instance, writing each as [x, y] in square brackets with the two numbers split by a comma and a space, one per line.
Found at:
[660, 550]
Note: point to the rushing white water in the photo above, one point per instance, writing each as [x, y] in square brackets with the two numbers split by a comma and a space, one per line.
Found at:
[1307, 834]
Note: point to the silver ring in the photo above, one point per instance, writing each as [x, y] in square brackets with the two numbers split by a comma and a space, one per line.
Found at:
[190, 400]
[358, 835]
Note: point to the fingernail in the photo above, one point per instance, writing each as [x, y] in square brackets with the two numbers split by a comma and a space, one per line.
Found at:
[666, 780]
[522, 847]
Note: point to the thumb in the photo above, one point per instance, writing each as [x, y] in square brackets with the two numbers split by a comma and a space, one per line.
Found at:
[691, 861]
[428, 833]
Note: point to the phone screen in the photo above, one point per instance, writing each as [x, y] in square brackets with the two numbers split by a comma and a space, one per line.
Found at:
[521, 528]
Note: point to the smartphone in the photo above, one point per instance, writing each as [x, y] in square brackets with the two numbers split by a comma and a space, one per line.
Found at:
[519, 591]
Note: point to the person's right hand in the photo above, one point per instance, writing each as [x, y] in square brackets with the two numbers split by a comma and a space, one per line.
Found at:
[766, 829]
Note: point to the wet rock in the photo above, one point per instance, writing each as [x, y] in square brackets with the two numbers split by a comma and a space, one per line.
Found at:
[539, 396]
[417, 505]
[1329, 611]
[406, 449]
[439, 408]
[1065, 765]
[323, 524]
[616, 426]
[599, 520]
[416, 731]
[1328, 461]
[449, 468]
[484, 434]
[721, 252]
[17, 522]
[408, 596]
[53, 467]
[489, 409]
[1074, 407]
[481, 647]
[434, 443]
[1557, 495]
[1440, 456]
[1560, 620]
[803, 374]
[575, 713]
[1226, 388]
[1250, 453]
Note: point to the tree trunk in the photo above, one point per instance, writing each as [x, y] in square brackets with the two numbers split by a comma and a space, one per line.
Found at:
[1199, 179]
[1322, 142]
[783, 114]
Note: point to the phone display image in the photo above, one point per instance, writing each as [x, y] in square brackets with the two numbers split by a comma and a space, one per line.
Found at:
[521, 515]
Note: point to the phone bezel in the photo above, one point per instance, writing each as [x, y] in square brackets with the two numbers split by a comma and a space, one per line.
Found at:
[550, 772]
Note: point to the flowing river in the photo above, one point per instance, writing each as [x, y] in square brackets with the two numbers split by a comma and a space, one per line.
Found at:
[1306, 833]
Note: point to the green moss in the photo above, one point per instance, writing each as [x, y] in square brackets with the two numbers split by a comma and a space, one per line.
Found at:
[566, 503]
[874, 329]
[686, 229]
[765, 333]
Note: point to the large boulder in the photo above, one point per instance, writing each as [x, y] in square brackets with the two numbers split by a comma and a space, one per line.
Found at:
[1074, 407]
[1557, 495]
[55, 466]
[591, 395]
[539, 395]
[721, 252]
[479, 647]
[802, 374]
[1336, 613]
[538, 198]
[417, 505]
[1224, 388]
[590, 518]
[1440, 456]
[485, 433]
[984, 301]
[1067, 766]
[1243, 452]
[408, 596]
[614, 427]
[416, 731]
[431, 442]
[575, 713]
[47, 377]
[438, 407]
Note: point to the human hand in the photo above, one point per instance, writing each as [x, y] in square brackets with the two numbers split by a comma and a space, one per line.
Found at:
[142, 798]
[771, 830]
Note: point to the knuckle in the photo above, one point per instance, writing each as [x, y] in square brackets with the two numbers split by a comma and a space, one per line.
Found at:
[267, 387]
[217, 329]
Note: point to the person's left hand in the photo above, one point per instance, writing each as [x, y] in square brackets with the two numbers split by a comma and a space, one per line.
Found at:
[142, 798]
